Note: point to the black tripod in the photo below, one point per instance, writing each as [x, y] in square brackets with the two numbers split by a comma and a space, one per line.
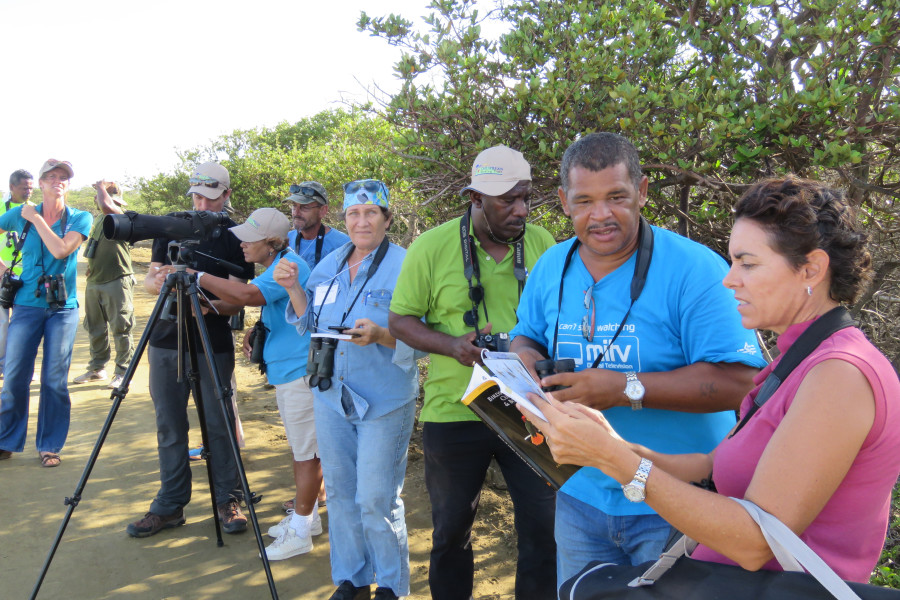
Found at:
[180, 285]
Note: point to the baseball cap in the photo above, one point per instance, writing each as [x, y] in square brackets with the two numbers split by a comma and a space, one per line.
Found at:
[308, 192]
[263, 223]
[52, 163]
[497, 170]
[210, 180]
[365, 191]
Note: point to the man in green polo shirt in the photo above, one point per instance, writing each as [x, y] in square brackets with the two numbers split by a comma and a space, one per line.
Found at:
[108, 293]
[492, 245]
[21, 184]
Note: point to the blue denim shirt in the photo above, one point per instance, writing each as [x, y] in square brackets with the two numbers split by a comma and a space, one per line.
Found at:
[379, 379]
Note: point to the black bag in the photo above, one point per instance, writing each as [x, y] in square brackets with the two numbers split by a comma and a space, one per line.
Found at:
[676, 577]
[257, 336]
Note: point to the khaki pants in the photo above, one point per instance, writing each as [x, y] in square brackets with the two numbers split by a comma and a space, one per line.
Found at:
[109, 311]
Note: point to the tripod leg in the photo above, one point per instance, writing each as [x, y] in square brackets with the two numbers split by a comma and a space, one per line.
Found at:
[117, 395]
[224, 402]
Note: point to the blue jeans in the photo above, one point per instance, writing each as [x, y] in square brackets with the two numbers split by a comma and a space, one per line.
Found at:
[28, 326]
[364, 463]
[4, 326]
[585, 533]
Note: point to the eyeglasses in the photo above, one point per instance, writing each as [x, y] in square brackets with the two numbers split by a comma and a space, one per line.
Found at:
[306, 191]
[370, 185]
[588, 322]
[205, 180]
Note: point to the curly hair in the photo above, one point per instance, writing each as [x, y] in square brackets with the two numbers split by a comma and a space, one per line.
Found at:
[801, 215]
[277, 243]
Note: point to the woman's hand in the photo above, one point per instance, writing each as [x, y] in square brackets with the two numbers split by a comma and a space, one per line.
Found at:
[576, 434]
[29, 212]
[366, 331]
[285, 274]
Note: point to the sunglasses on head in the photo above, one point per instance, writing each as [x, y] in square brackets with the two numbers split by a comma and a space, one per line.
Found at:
[306, 191]
[370, 185]
[205, 181]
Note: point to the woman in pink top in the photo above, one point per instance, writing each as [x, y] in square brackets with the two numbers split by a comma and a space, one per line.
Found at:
[823, 454]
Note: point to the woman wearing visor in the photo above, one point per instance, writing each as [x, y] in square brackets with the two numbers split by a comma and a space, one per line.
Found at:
[45, 308]
[365, 383]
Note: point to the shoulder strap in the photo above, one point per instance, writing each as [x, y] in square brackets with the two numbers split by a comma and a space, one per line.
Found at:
[833, 321]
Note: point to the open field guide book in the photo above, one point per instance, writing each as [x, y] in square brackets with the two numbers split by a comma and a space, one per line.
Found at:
[492, 395]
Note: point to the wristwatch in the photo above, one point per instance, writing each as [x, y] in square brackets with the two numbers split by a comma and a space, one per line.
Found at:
[636, 491]
[202, 273]
[634, 389]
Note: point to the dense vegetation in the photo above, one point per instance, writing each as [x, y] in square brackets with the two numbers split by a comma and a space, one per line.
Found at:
[714, 94]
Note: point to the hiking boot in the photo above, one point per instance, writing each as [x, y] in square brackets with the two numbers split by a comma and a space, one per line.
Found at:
[116, 381]
[290, 543]
[315, 524]
[348, 591]
[91, 376]
[383, 593]
[153, 523]
[231, 517]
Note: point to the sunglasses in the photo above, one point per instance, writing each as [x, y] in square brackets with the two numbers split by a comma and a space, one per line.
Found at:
[205, 181]
[369, 185]
[306, 191]
[588, 322]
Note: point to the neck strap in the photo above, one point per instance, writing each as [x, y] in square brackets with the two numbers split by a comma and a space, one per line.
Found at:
[471, 270]
[376, 262]
[320, 240]
[824, 327]
[638, 280]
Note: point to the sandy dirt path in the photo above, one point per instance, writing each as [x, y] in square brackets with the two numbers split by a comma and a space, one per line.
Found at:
[98, 560]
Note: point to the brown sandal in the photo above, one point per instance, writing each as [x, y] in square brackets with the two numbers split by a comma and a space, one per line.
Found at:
[4, 454]
[49, 459]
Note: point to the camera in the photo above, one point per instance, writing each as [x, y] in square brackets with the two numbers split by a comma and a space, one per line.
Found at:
[53, 288]
[320, 363]
[10, 284]
[549, 366]
[495, 342]
[133, 227]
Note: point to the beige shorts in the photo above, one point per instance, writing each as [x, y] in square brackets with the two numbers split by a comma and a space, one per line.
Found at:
[295, 405]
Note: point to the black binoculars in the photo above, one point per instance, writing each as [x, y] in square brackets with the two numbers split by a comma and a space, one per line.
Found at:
[552, 367]
[53, 288]
[320, 363]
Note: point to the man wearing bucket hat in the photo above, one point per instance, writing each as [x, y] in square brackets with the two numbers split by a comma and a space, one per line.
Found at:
[311, 239]
[210, 190]
[463, 295]
[108, 292]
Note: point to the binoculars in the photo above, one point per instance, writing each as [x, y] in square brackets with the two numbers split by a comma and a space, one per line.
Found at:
[53, 288]
[552, 367]
[320, 362]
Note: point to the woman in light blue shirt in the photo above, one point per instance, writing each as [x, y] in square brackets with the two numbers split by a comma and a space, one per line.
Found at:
[365, 383]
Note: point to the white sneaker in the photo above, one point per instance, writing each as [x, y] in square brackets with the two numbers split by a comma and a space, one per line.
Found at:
[289, 543]
[91, 376]
[315, 524]
[116, 381]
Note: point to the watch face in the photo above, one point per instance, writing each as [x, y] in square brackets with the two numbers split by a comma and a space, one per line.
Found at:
[634, 390]
[634, 492]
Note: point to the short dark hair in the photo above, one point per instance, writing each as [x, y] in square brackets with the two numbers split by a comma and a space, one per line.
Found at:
[17, 177]
[598, 151]
[801, 215]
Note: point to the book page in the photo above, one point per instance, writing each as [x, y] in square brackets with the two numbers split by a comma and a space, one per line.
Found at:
[514, 379]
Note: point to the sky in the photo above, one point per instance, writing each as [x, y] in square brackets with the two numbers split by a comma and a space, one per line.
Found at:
[115, 87]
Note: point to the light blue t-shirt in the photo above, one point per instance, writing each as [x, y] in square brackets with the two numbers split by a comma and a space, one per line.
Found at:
[286, 348]
[684, 315]
[379, 379]
[333, 240]
[37, 259]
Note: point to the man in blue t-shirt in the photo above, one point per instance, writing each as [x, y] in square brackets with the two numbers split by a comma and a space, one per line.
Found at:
[656, 341]
[311, 239]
